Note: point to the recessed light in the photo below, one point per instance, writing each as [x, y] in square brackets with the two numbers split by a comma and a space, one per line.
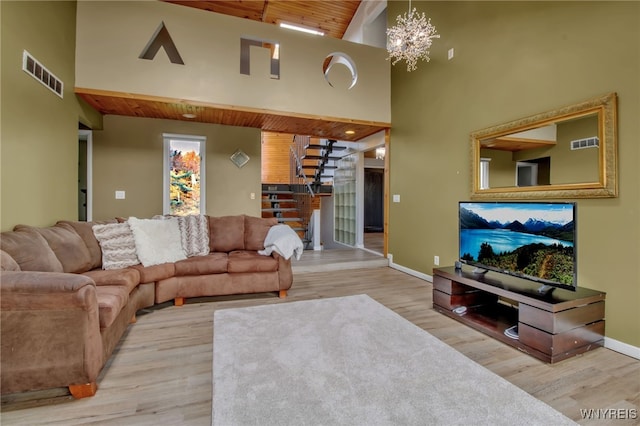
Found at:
[296, 27]
[350, 132]
[189, 115]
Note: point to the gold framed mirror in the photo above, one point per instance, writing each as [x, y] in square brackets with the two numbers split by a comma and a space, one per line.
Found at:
[570, 152]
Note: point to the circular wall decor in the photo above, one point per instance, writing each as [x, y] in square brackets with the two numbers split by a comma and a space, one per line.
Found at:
[340, 58]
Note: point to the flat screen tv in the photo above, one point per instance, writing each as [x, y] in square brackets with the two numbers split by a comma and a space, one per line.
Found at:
[530, 240]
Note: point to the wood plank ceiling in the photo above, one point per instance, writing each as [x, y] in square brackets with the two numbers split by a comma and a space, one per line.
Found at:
[331, 17]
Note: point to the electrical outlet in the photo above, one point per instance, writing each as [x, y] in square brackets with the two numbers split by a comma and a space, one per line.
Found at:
[120, 195]
[436, 260]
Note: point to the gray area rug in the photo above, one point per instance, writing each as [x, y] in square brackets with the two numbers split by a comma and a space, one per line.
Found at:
[352, 361]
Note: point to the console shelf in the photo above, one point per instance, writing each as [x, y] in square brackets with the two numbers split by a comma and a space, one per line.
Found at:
[551, 327]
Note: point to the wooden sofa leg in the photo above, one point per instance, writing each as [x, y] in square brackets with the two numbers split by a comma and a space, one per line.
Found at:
[133, 319]
[178, 301]
[282, 294]
[83, 391]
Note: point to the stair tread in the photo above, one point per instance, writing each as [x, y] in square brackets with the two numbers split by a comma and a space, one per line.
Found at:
[313, 177]
[311, 166]
[334, 148]
[276, 192]
[319, 157]
[281, 209]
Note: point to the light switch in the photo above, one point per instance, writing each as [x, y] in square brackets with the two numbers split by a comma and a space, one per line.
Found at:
[396, 198]
[120, 195]
[252, 195]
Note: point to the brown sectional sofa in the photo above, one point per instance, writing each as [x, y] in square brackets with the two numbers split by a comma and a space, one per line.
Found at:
[62, 314]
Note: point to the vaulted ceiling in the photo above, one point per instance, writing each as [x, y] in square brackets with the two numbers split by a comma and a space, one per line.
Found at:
[331, 17]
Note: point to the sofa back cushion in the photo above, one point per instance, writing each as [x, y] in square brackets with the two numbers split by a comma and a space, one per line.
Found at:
[30, 251]
[7, 263]
[67, 245]
[255, 231]
[85, 230]
[226, 233]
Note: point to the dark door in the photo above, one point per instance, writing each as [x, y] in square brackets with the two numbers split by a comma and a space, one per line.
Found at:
[373, 200]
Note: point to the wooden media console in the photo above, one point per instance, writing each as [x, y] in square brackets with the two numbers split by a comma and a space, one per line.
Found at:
[551, 327]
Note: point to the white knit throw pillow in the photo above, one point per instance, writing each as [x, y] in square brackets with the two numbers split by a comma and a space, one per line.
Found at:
[157, 241]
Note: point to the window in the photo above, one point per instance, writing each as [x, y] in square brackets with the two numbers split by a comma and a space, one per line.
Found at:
[184, 175]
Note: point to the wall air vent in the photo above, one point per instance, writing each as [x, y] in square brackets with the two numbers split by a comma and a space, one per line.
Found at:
[592, 142]
[38, 71]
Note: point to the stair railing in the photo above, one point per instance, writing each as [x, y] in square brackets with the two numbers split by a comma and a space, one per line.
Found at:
[300, 185]
[297, 177]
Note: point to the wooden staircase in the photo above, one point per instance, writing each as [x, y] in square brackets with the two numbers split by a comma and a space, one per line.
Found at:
[280, 201]
[318, 157]
[311, 175]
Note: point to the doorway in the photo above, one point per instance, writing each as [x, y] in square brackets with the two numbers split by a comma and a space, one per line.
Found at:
[373, 199]
[374, 209]
[526, 174]
[85, 150]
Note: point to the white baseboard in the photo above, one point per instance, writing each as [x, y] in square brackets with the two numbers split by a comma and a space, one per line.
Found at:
[609, 343]
[407, 270]
[623, 348]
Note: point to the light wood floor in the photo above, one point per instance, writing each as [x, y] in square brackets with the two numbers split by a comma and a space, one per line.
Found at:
[160, 372]
[374, 241]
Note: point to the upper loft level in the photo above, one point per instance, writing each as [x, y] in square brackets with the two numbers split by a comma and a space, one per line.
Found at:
[162, 60]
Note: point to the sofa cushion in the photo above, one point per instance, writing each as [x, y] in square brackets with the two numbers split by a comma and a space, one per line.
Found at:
[7, 263]
[30, 251]
[117, 245]
[255, 231]
[150, 274]
[111, 300]
[157, 241]
[251, 261]
[214, 263]
[128, 278]
[67, 245]
[85, 230]
[226, 233]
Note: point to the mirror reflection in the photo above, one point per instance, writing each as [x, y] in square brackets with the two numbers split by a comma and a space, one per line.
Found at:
[565, 153]
[559, 153]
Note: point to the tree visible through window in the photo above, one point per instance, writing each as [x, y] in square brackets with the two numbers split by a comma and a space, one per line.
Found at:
[184, 175]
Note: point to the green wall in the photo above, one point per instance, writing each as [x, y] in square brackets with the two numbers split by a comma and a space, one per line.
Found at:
[128, 155]
[39, 130]
[513, 60]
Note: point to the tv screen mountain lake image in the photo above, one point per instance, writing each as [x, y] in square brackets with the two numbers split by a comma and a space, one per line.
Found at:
[532, 240]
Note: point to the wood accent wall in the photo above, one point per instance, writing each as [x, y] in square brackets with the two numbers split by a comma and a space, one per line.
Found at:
[275, 157]
[275, 160]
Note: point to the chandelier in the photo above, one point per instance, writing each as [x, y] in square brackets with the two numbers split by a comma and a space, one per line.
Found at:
[410, 39]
